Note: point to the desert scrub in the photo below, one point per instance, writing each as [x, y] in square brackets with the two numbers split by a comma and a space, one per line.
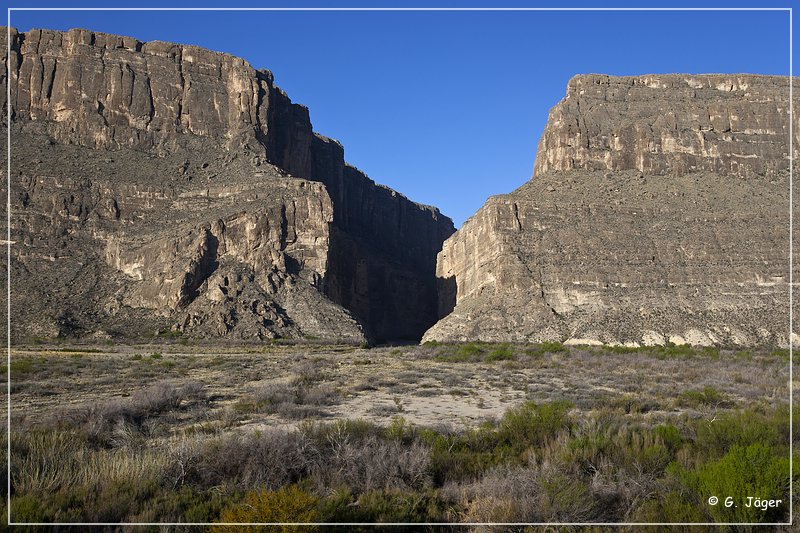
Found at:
[21, 366]
[287, 504]
[740, 428]
[297, 400]
[539, 350]
[629, 449]
[630, 404]
[502, 352]
[707, 396]
[71, 482]
[538, 462]
[104, 423]
[473, 352]
[467, 455]
[754, 470]
[460, 353]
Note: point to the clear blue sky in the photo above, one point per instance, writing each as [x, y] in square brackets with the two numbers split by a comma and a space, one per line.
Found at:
[448, 107]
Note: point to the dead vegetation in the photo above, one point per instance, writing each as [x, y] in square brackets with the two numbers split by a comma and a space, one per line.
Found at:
[324, 433]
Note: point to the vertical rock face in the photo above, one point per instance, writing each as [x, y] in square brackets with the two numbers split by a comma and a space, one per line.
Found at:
[670, 124]
[384, 249]
[178, 176]
[658, 212]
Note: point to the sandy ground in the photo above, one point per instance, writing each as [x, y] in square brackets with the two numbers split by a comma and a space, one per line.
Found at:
[419, 383]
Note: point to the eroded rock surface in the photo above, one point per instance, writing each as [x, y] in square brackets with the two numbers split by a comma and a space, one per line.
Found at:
[693, 249]
[161, 186]
[735, 125]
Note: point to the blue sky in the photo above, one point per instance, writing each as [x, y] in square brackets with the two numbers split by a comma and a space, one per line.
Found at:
[448, 107]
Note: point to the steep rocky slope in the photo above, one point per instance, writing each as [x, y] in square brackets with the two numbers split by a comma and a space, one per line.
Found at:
[161, 186]
[658, 212]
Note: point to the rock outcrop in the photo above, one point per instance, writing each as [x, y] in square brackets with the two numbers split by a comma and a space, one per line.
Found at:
[158, 186]
[658, 212]
[735, 125]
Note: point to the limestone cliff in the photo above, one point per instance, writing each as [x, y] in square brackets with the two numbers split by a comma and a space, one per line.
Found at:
[158, 185]
[658, 212]
[670, 124]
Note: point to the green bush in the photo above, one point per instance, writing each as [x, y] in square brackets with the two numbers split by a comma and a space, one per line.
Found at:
[401, 506]
[669, 435]
[531, 424]
[538, 350]
[564, 499]
[707, 396]
[503, 352]
[753, 471]
[671, 507]
[467, 455]
[714, 439]
[631, 450]
[461, 353]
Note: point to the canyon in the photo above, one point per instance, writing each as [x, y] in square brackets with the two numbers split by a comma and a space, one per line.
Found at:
[166, 190]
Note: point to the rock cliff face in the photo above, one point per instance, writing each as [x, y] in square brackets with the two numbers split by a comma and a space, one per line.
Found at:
[658, 212]
[159, 186]
[734, 125]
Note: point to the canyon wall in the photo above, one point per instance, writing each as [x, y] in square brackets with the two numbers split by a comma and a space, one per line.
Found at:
[670, 124]
[658, 212]
[200, 199]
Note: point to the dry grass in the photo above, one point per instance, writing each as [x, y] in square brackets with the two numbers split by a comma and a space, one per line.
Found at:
[184, 436]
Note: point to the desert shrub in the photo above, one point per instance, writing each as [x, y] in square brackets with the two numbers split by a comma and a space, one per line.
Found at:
[622, 349]
[469, 350]
[629, 403]
[182, 504]
[504, 494]
[565, 499]
[352, 429]
[373, 463]
[104, 423]
[503, 352]
[297, 400]
[531, 424]
[287, 504]
[624, 450]
[400, 506]
[535, 492]
[669, 435]
[743, 428]
[461, 353]
[20, 367]
[669, 507]
[674, 351]
[707, 396]
[461, 456]
[268, 459]
[782, 353]
[540, 349]
[72, 481]
[465, 456]
[754, 470]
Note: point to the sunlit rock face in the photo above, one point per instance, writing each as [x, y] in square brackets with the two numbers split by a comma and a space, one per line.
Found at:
[734, 125]
[658, 212]
[158, 186]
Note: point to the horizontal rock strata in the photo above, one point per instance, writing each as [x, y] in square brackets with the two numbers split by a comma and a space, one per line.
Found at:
[160, 186]
[685, 239]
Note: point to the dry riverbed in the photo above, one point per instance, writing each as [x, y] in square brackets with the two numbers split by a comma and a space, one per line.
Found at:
[444, 386]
